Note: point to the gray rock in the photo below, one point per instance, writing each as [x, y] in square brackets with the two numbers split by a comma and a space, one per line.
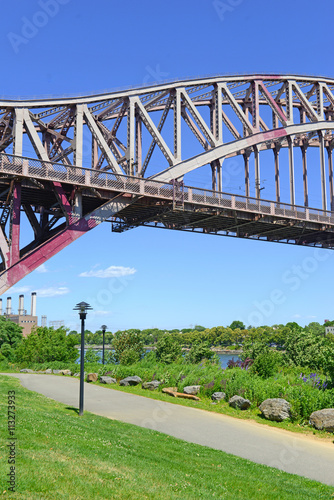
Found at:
[131, 381]
[107, 380]
[192, 389]
[48, 370]
[218, 396]
[56, 371]
[152, 385]
[239, 402]
[275, 409]
[66, 372]
[26, 370]
[323, 419]
[92, 377]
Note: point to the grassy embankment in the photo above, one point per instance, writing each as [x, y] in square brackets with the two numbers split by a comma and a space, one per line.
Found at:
[63, 456]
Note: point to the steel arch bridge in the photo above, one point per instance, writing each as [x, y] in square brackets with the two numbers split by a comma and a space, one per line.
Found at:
[68, 164]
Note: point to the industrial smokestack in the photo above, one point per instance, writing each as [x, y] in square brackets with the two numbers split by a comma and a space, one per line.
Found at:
[9, 305]
[0, 307]
[33, 304]
[21, 305]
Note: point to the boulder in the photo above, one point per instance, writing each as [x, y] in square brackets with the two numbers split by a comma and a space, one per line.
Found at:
[92, 377]
[275, 409]
[323, 419]
[48, 370]
[154, 384]
[218, 396]
[192, 389]
[239, 402]
[26, 370]
[107, 380]
[131, 381]
[66, 372]
[56, 371]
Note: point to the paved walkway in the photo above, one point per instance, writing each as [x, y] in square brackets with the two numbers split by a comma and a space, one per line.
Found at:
[260, 443]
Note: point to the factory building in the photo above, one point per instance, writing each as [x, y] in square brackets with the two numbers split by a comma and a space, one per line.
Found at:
[28, 322]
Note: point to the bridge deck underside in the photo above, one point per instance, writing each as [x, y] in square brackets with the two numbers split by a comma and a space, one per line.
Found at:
[226, 223]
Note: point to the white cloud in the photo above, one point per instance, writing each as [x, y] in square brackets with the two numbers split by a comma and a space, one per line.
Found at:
[52, 291]
[110, 272]
[42, 269]
[20, 289]
[101, 313]
[296, 316]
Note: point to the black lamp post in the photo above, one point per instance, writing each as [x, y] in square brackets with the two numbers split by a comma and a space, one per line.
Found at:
[103, 328]
[82, 307]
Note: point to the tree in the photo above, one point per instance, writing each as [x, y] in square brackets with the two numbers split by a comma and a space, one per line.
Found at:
[168, 349]
[128, 346]
[198, 352]
[10, 332]
[91, 356]
[237, 324]
[45, 345]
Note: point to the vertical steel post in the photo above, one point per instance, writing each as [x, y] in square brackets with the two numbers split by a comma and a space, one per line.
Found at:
[305, 183]
[246, 160]
[291, 171]
[331, 180]
[277, 180]
[322, 170]
[257, 173]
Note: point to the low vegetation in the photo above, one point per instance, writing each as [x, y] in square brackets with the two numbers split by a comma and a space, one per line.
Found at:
[61, 455]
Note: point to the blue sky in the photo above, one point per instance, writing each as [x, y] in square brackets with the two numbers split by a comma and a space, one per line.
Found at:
[150, 277]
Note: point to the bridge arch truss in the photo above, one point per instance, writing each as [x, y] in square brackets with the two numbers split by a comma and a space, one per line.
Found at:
[71, 163]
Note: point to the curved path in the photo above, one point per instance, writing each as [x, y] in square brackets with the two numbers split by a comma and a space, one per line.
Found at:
[260, 443]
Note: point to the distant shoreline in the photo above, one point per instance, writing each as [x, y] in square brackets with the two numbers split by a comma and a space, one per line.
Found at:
[216, 350]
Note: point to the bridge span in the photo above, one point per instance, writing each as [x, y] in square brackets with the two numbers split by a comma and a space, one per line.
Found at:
[140, 157]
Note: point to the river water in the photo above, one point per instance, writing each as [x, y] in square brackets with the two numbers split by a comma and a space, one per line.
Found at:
[224, 358]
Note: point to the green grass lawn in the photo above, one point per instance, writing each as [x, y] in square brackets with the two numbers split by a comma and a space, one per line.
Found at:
[63, 456]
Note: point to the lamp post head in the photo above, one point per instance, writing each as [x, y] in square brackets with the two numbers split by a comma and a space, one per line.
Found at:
[103, 328]
[82, 307]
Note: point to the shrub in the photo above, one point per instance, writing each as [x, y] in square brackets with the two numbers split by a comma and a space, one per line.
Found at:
[92, 356]
[46, 344]
[266, 364]
[198, 352]
[168, 349]
[128, 346]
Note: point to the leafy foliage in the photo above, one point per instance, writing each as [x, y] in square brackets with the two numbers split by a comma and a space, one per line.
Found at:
[46, 344]
[198, 352]
[92, 356]
[10, 332]
[168, 349]
[128, 346]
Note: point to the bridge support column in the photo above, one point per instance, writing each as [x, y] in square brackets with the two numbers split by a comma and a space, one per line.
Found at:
[15, 224]
[246, 161]
[305, 183]
[322, 170]
[257, 173]
[331, 180]
[291, 171]
[277, 179]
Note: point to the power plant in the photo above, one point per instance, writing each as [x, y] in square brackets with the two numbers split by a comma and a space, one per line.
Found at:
[27, 321]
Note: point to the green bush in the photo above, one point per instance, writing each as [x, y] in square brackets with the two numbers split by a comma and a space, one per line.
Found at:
[168, 349]
[266, 364]
[46, 345]
[92, 356]
[198, 352]
[128, 346]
